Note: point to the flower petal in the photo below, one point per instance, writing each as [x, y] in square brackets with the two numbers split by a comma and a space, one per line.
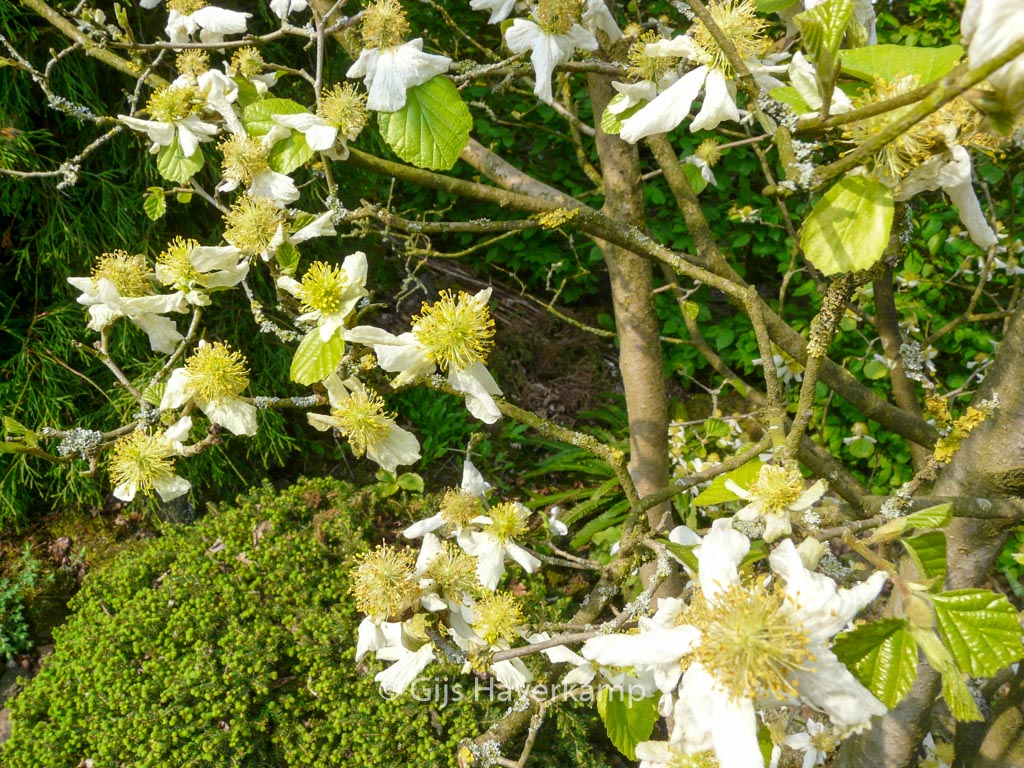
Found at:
[667, 110]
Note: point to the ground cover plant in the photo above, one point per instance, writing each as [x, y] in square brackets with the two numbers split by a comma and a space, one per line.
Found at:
[792, 544]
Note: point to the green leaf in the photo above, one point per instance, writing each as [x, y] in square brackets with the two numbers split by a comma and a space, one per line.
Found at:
[882, 655]
[890, 62]
[183, 197]
[980, 628]
[822, 29]
[717, 493]
[693, 175]
[612, 123]
[773, 6]
[288, 154]
[432, 129]
[861, 449]
[410, 481]
[257, 117]
[287, 256]
[247, 93]
[316, 359]
[627, 720]
[954, 690]
[875, 370]
[928, 552]
[174, 166]
[932, 517]
[848, 229]
[791, 97]
[684, 553]
[154, 203]
[18, 430]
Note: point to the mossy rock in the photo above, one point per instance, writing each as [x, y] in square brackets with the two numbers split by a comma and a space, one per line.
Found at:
[232, 643]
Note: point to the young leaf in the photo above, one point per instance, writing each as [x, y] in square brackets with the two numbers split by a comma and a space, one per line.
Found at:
[627, 720]
[154, 203]
[954, 690]
[174, 166]
[822, 29]
[288, 154]
[889, 62]
[791, 97]
[717, 493]
[316, 359]
[694, 176]
[980, 628]
[848, 229]
[932, 517]
[612, 123]
[882, 655]
[258, 116]
[432, 129]
[928, 553]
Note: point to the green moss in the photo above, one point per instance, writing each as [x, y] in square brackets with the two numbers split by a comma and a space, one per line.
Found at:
[232, 643]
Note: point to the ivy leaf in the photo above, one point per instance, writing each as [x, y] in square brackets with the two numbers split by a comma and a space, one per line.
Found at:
[980, 628]
[627, 720]
[848, 229]
[717, 493]
[174, 166]
[258, 116]
[316, 359]
[154, 203]
[928, 553]
[882, 655]
[432, 129]
[889, 62]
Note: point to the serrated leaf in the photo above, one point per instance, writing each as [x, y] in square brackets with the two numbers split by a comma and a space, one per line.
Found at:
[432, 129]
[174, 166]
[928, 552]
[258, 116]
[821, 30]
[716, 428]
[980, 628]
[695, 177]
[183, 197]
[410, 481]
[890, 62]
[848, 229]
[791, 97]
[954, 690]
[288, 154]
[882, 655]
[717, 493]
[932, 517]
[627, 720]
[287, 256]
[316, 359]
[154, 203]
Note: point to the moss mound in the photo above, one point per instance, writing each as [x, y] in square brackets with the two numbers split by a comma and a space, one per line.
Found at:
[229, 643]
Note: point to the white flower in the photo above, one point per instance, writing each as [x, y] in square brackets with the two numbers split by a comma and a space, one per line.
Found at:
[189, 131]
[211, 22]
[283, 7]
[500, 9]
[221, 94]
[455, 333]
[952, 172]
[319, 134]
[410, 656]
[196, 270]
[213, 378]
[390, 72]
[803, 77]
[494, 542]
[547, 49]
[120, 287]
[328, 293]
[673, 104]
[360, 416]
[811, 743]
[777, 492]
[596, 16]
[473, 486]
[142, 460]
[990, 28]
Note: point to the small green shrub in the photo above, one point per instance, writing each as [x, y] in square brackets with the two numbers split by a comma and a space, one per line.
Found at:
[232, 643]
[14, 630]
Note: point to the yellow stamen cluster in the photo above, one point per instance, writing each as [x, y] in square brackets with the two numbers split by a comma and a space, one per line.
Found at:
[174, 102]
[384, 25]
[384, 581]
[557, 17]
[751, 644]
[127, 272]
[496, 617]
[777, 487]
[322, 288]
[362, 418]
[453, 571]
[508, 520]
[252, 223]
[458, 508]
[344, 107]
[143, 459]
[709, 152]
[456, 333]
[247, 61]
[192, 62]
[186, 7]
[216, 371]
[243, 158]
[740, 23]
[644, 67]
[176, 267]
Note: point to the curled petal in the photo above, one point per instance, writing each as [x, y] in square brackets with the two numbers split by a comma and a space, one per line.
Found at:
[667, 110]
